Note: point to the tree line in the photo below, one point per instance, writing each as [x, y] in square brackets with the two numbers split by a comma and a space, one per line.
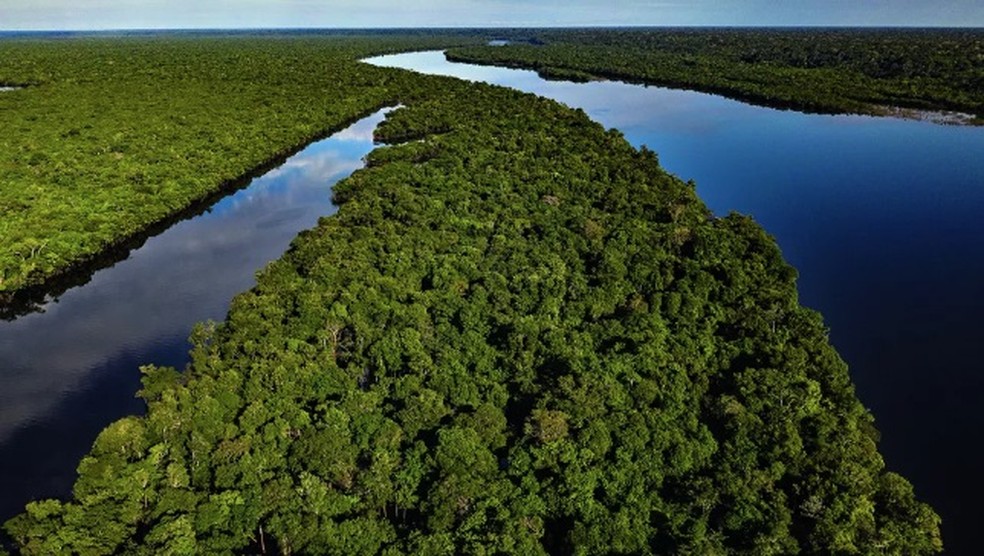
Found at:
[867, 71]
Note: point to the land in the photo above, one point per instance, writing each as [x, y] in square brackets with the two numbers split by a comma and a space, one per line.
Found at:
[517, 335]
[110, 136]
[933, 74]
[84, 174]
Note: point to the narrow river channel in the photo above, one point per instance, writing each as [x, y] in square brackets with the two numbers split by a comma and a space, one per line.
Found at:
[67, 372]
[882, 219]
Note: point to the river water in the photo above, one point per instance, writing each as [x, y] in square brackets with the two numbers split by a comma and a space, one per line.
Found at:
[882, 218]
[67, 372]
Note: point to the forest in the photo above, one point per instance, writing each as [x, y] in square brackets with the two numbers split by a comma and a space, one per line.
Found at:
[866, 71]
[110, 136]
[518, 334]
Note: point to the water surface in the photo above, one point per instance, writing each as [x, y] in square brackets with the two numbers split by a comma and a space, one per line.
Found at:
[68, 372]
[881, 217]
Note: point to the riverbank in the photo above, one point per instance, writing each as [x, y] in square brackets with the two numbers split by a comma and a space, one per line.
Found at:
[72, 369]
[941, 117]
[107, 152]
[78, 187]
[40, 289]
[927, 74]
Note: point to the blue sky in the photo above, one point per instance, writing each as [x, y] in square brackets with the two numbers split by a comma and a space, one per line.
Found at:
[130, 14]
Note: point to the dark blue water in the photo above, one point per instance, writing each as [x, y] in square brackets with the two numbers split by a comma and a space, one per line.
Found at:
[68, 372]
[882, 218]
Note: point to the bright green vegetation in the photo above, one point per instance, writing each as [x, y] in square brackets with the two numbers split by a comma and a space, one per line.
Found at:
[517, 335]
[110, 136]
[821, 70]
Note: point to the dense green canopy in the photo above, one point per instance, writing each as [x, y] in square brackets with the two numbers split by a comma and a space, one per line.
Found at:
[870, 71]
[109, 136]
[517, 335]
[112, 135]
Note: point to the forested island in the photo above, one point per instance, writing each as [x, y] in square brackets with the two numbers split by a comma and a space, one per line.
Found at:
[519, 334]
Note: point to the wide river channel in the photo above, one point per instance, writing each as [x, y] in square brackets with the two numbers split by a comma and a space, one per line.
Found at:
[883, 219]
[880, 216]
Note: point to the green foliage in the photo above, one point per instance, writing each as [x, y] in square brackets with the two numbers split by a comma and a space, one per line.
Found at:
[819, 70]
[518, 335]
[110, 136]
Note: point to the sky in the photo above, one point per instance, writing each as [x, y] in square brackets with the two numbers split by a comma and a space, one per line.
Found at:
[191, 14]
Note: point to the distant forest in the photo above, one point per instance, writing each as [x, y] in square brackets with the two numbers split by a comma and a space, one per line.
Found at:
[867, 71]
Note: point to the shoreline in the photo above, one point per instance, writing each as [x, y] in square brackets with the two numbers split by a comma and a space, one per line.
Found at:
[561, 73]
[939, 117]
[38, 290]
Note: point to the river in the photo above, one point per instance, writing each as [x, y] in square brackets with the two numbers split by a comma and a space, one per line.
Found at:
[67, 372]
[880, 216]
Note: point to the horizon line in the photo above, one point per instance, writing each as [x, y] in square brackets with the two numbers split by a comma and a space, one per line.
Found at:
[488, 27]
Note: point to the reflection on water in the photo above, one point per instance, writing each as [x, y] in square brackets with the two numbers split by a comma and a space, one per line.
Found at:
[67, 372]
[880, 216]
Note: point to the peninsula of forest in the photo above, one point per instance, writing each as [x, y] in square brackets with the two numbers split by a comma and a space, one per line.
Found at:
[518, 335]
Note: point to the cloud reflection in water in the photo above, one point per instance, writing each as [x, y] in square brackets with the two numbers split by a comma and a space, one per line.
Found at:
[60, 371]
